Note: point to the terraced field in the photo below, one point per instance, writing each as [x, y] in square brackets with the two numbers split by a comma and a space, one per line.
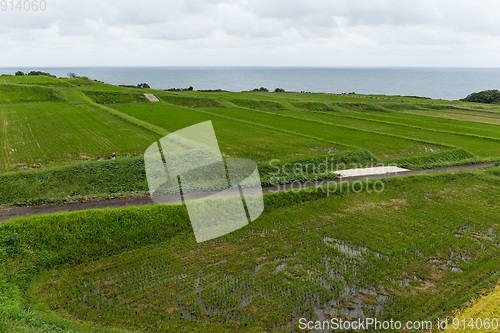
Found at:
[412, 253]
[473, 140]
[36, 134]
[412, 248]
[260, 126]
[254, 140]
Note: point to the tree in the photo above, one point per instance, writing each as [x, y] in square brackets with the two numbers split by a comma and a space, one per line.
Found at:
[19, 73]
[72, 76]
[261, 89]
[279, 90]
[143, 85]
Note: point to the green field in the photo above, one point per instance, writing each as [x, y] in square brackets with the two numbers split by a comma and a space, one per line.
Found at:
[44, 133]
[257, 125]
[236, 139]
[406, 248]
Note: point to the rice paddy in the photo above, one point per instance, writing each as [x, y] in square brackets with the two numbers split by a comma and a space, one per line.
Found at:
[36, 134]
[348, 256]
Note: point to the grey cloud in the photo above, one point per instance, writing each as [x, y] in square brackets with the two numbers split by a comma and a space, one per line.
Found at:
[259, 26]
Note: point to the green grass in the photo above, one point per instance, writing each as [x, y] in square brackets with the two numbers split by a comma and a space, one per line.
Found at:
[293, 126]
[416, 250]
[431, 123]
[75, 182]
[494, 171]
[236, 139]
[113, 97]
[379, 144]
[259, 105]
[192, 102]
[314, 106]
[45, 133]
[305, 252]
[111, 179]
[15, 93]
[37, 80]
[87, 181]
[479, 145]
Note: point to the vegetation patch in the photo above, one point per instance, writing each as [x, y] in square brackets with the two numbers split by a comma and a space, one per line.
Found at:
[113, 97]
[35, 135]
[360, 107]
[15, 93]
[192, 102]
[494, 170]
[258, 105]
[82, 81]
[313, 168]
[314, 106]
[487, 97]
[480, 314]
[320, 251]
[126, 176]
[60, 184]
[435, 159]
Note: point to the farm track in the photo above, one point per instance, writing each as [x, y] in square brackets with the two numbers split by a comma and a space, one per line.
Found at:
[15, 212]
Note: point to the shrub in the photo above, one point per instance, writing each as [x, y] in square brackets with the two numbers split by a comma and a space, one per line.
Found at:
[261, 89]
[180, 89]
[36, 73]
[19, 73]
[486, 96]
[143, 85]
[279, 90]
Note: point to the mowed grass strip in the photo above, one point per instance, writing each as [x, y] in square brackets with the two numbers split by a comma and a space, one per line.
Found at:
[379, 144]
[479, 146]
[46, 133]
[236, 139]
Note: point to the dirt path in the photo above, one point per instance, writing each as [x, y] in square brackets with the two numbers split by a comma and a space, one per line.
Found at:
[6, 214]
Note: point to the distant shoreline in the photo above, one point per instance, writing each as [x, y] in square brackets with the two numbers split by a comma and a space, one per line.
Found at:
[446, 83]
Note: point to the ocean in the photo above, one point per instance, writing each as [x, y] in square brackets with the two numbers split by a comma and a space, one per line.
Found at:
[438, 83]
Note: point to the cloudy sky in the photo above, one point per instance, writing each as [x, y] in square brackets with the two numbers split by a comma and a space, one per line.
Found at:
[452, 33]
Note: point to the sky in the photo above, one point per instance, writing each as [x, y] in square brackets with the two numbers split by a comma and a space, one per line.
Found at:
[427, 33]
